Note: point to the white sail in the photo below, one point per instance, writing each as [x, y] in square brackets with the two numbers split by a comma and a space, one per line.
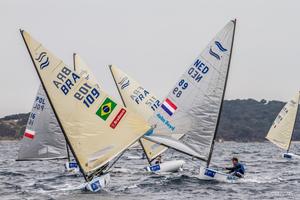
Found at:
[96, 127]
[43, 138]
[282, 128]
[143, 102]
[193, 105]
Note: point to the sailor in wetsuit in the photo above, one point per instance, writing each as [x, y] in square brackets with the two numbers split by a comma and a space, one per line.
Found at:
[158, 160]
[237, 169]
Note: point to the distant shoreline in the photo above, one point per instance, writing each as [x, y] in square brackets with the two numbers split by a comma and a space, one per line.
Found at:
[266, 141]
[241, 120]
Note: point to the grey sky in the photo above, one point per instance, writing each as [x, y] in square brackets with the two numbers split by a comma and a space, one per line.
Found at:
[153, 41]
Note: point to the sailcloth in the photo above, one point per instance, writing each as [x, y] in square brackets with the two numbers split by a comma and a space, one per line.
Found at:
[82, 68]
[43, 138]
[143, 102]
[193, 105]
[282, 128]
[96, 127]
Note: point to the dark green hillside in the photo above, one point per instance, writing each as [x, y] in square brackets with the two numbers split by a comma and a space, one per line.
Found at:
[248, 120]
[241, 120]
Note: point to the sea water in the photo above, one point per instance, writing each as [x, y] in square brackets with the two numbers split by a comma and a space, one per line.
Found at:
[268, 176]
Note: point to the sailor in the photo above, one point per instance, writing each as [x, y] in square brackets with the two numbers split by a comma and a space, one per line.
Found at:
[237, 169]
[158, 160]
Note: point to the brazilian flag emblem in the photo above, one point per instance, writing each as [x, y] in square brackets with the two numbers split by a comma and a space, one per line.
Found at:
[106, 109]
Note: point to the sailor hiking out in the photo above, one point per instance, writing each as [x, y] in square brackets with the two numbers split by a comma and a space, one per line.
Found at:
[237, 169]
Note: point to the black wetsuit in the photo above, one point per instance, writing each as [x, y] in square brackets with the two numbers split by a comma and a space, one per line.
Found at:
[237, 170]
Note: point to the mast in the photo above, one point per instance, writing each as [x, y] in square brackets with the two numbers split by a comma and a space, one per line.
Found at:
[67, 146]
[294, 124]
[74, 65]
[117, 86]
[58, 120]
[68, 152]
[149, 161]
[221, 106]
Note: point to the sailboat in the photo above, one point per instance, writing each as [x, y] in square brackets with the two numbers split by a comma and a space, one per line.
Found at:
[143, 102]
[43, 138]
[96, 127]
[194, 104]
[283, 127]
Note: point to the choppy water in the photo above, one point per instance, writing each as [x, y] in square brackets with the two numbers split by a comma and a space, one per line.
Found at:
[268, 177]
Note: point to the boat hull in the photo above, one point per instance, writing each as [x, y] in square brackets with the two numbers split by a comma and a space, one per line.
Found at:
[290, 156]
[168, 166]
[209, 174]
[98, 183]
[72, 167]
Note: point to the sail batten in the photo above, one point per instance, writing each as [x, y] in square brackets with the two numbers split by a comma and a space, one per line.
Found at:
[175, 144]
[282, 129]
[92, 122]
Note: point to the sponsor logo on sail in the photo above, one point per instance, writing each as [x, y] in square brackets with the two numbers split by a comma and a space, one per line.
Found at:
[29, 134]
[220, 47]
[43, 60]
[169, 107]
[118, 118]
[124, 83]
[106, 109]
[211, 52]
[165, 121]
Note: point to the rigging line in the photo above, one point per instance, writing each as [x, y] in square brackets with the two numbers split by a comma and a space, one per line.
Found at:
[115, 161]
[294, 126]
[68, 152]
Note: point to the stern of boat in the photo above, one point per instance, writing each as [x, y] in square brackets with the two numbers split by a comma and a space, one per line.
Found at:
[98, 183]
[72, 167]
[168, 166]
[290, 156]
[209, 174]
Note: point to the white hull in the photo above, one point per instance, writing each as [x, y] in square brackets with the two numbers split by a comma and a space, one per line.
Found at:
[168, 166]
[72, 167]
[290, 156]
[209, 174]
[98, 183]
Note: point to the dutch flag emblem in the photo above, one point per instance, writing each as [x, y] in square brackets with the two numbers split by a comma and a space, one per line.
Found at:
[169, 106]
